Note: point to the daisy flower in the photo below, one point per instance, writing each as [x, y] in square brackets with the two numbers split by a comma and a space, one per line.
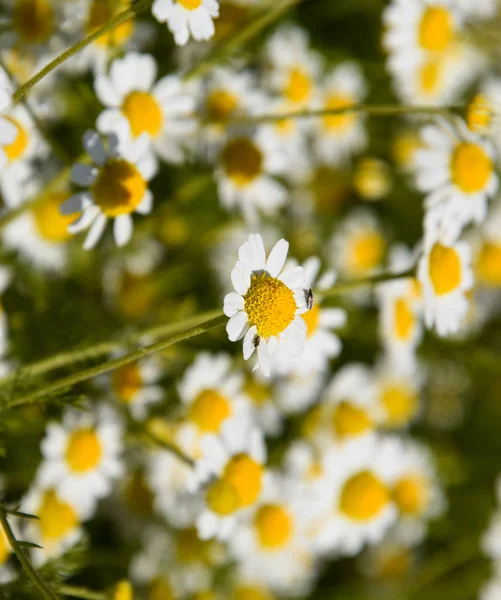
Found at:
[267, 303]
[445, 275]
[456, 170]
[82, 454]
[483, 114]
[296, 393]
[117, 185]
[134, 98]
[372, 179]
[338, 137]
[187, 18]
[487, 252]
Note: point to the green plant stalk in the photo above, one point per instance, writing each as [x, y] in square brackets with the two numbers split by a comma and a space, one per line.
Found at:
[342, 287]
[42, 587]
[80, 592]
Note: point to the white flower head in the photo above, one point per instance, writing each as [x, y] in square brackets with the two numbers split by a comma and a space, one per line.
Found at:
[267, 302]
[187, 18]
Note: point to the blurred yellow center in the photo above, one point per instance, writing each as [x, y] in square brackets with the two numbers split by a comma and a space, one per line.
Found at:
[312, 319]
[189, 547]
[349, 420]
[404, 148]
[123, 591]
[57, 518]
[119, 187]
[190, 4]
[100, 12]
[273, 525]
[363, 497]
[126, 381]
[245, 475]
[410, 494]
[84, 450]
[479, 114]
[366, 252]
[400, 403]
[33, 20]
[371, 179]
[342, 121]
[436, 29]
[4, 547]
[209, 410]
[405, 320]
[445, 269]
[471, 167]
[247, 592]
[489, 264]
[429, 75]
[51, 224]
[298, 88]
[257, 391]
[17, 148]
[242, 161]
[143, 113]
[138, 495]
[220, 105]
[160, 589]
[222, 498]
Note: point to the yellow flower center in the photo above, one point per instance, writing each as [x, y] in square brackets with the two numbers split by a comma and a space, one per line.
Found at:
[222, 498]
[489, 264]
[479, 114]
[363, 497]
[247, 592]
[123, 591]
[366, 252]
[341, 122]
[51, 224]
[245, 475]
[404, 148]
[312, 319]
[190, 4]
[299, 86]
[209, 410]
[84, 450]
[138, 495]
[126, 382]
[119, 187]
[411, 494]
[445, 269]
[471, 167]
[257, 391]
[311, 422]
[102, 11]
[330, 187]
[242, 161]
[160, 589]
[436, 30]
[16, 149]
[5, 549]
[57, 518]
[371, 179]
[400, 403]
[274, 526]
[33, 20]
[143, 113]
[349, 420]
[270, 305]
[404, 319]
[220, 105]
[430, 73]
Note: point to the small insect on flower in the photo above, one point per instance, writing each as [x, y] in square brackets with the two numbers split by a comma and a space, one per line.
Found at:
[255, 341]
[309, 299]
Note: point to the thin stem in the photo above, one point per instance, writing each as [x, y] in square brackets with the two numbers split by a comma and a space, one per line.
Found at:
[347, 286]
[172, 448]
[43, 588]
[80, 592]
[109, 26]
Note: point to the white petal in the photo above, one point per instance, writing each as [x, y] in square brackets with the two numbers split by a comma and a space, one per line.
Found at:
[106, 92]
[293, 278]
[146, 204]
[264, 358]
[240, 278]
[122, 230]
[95, 232]
[258, 253]
[278, 256]
[83, 175]
[249, 346]
[76, 203]
[236, 326]
[84, 220]
[233, 302]
[293, 338]
[94, 146]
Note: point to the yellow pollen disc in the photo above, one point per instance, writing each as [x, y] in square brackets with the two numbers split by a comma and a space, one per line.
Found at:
[160, 589]
[339, 122]
[33, 20]
[404, 148]
[5, 549]
[143, 113]
[367, 252]
[299, 87]
[247, 592]
[257, 391]
[100, 12]
[245, 475]
[430, 73]
[400, 403]
[230, 17]
[51, 224]
[242, 161]
[436, 30]
[84, 450]
[363, 497]
[119, 187]
[16, 150]
[190, 4]
[222, 497]
[126, 382]
[404, 319]
[274, 526]
[209, 410]
[411, 494]
[270, 305]
[57, 518]
[479, 114]
[312, 319]
[371, 179]
[471, 167]
[349, 420]
[445, 269]
[489, 264]
[138, 495]
[220, 105]
[123, 591]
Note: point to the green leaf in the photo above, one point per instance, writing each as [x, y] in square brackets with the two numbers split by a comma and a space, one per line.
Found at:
[29, 545]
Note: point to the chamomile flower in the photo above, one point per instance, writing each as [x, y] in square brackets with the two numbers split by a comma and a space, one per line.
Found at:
[267, 304]
[445, 275]
[117, 185]
[339, 136]
[82, 454]
[159, 109]
[296, 393]
[456, 169]
[187, 18]
[487, 251]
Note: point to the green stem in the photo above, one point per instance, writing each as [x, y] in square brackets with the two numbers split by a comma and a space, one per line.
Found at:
[172, 448]
[80, 592]
[43, 588]
[347, 286]
[110, 25]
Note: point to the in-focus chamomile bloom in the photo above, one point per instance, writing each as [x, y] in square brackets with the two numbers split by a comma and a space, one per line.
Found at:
[359, 504]
[232, 468]
[244, 174]
[159, 109]
[456, 169]
[339, 136]
[487, 252]
[187, 18]
[266, 306]
[445, 274]
[117, 186]
[82, 454]
[271, 542]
